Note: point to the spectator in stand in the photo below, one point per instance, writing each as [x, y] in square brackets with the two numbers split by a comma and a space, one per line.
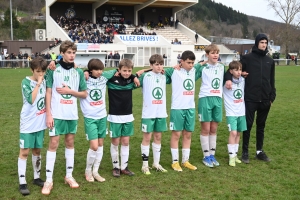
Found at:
[165, 59]
[32, 55]
[171, 21]
[160, 19]
[176, 23]
[50, 46]
[53, 56]
[296, 59]
[117, 59]
[47, 56]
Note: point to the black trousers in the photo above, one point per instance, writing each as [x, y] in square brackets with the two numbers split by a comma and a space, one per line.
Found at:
[262, 110]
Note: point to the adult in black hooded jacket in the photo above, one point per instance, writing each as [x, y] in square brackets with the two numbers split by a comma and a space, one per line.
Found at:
[260, 93]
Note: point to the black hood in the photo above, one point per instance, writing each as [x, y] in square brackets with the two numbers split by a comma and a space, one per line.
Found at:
[255, 48]
[260, 37]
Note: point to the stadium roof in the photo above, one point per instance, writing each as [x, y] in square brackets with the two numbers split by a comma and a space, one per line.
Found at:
[156, 3]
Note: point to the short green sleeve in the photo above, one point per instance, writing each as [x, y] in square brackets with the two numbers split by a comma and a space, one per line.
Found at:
[82, 82]
[49, 79]
[27, 91]
[168, 74]
[198, 69]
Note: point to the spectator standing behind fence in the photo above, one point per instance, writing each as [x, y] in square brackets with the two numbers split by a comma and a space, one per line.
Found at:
[196, 37]
[117, 59]
[296, 60]
[1, 58]
[47, 56]
[178, 58]
[288, 57]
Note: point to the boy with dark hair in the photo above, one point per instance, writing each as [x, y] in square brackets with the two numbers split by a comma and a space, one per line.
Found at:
[32, 123]
[64, 85]
[182, 116]
[94, 111]
[154, 112]
[260, 93]
[210, 104]
[235, 110]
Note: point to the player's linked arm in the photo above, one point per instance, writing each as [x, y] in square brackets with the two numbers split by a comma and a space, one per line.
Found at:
[49, 118]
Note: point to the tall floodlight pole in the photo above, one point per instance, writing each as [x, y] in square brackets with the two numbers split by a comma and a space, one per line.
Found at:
[11, 23]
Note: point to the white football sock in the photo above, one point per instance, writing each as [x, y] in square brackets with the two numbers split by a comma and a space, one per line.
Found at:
[36, 164]
[204, 145]
[156, 149]
[114, 152]
[90, 159]
[69, 154]
[145, 154]
[185, 155]
[99, 155]
[124, 156]
[22, 170]
[212, 144]
[50, 161]
[175, 156]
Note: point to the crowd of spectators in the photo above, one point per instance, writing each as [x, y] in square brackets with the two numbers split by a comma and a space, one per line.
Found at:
[83, 31]
[176, 41]
[140, 31]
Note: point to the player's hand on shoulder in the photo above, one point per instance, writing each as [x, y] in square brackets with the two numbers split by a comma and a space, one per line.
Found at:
[86, 75]
[244, 74]
[136, 82]
[51, 65]
[177, 67]
[228, 84]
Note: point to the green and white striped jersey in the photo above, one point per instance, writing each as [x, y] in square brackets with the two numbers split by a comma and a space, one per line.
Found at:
[65, 106]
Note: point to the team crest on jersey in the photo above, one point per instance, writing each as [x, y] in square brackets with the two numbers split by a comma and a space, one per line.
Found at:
[95, 94]
[157, 94]
[188, 84]
[129, 81]
[238, 94]
[41, 106]
[215, 83]
[66, 96]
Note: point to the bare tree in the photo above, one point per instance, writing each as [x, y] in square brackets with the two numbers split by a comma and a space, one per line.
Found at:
[289, 12]
[186, 17]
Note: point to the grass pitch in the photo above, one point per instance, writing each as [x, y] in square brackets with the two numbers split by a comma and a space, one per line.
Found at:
[279, 179]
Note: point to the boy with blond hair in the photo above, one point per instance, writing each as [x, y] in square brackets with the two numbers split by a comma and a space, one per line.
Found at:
[210, 104]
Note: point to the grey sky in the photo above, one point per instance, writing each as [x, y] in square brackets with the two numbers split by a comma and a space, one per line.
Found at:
[258, 8]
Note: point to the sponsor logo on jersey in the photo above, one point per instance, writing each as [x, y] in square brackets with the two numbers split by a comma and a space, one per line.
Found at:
[238, 101]
[188, 93]
[215, 91]
[96, 103]
[157, 101]
[157, 93]
[41, 112]
[63, 101]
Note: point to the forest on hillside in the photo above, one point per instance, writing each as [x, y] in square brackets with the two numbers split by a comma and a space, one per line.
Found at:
[207, 18]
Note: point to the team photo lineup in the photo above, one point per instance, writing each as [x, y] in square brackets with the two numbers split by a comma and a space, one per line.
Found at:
[139, 99]
[50, 101]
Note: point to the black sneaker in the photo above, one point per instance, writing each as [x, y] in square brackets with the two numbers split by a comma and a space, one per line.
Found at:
[116, 172]
[245, 158]
[262, 156]
[23, 189]
[126, 171]
[38, 182]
